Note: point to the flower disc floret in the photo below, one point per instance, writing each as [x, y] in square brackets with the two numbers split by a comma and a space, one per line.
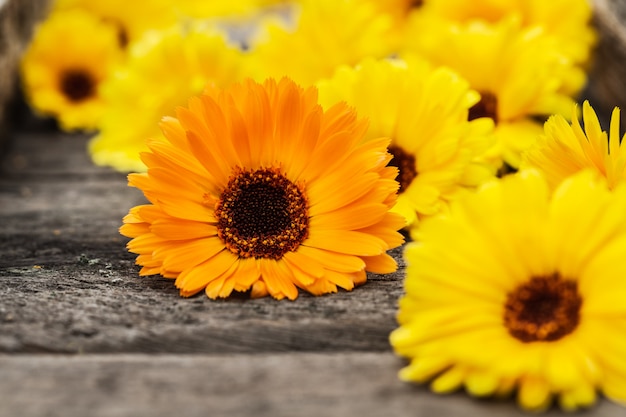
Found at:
[262, 214]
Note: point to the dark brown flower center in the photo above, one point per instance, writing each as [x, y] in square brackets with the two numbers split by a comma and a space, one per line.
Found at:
[122, 37]
[77, 85]
[262, 214]
[414, 4]
[122, 34]
[486, 107]
[543, 309]
[405, 162]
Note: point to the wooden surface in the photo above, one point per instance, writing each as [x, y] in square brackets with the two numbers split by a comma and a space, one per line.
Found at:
[17, 20]
[81, 334]
[608, 83]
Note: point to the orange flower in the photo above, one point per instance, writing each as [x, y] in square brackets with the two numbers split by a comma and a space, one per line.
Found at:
[256, 187]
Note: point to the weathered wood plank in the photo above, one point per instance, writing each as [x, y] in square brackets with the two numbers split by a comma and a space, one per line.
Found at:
[289, 384]
[101, 306]
[69, 285]
[17, 20]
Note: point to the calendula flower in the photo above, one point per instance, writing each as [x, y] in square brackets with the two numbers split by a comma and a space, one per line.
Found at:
[399, 8]
[517, 71]
[518, 289]
[568, 22]
[62, 70]
[162, 72]
[130, 19]
[565, 149]
[327, 33]
[222, 9]
[424, 110]
[255, 187]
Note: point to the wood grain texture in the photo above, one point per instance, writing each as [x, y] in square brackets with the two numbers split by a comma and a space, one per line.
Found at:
[82, 335]
[263, 385]
[69, 285]
[17, 21]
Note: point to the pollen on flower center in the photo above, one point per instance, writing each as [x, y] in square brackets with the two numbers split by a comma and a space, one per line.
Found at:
[405, 162]
[262, 214]
[486, 107]
[77, 85]
[543, 309]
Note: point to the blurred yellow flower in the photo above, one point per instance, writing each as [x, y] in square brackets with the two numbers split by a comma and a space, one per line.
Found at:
[327, 33]
[567, 21]
[399, 8]
[517, 71]
[162, 72]
[222, 9]
[131, 19]
[520, 290]
[424, 110]
[71, 55]
[256, 188]
[565, 149]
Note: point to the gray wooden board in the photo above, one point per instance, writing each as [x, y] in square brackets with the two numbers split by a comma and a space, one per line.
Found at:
[359, 384]
[81, 334]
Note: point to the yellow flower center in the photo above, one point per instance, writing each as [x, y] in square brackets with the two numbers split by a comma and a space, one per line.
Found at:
[262, 214]
[405, 162]
[486, 107]
[77, 85]
[543, 309]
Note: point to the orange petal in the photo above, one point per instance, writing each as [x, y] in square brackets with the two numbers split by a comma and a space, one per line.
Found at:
[346, 241]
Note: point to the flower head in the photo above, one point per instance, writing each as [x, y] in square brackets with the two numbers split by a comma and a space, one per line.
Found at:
[424, 111]
[565, 149]
[568, 22]
[327, 34]
[518, 72]
[256, 187]
[518, 288]
[222, 9]
[69, 58]
[130, 19]
[162, 72]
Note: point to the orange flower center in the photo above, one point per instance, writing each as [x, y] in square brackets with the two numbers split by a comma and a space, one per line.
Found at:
[543, 309]
[262, 214]
[77, 85]
[486, 107]
[405, 162]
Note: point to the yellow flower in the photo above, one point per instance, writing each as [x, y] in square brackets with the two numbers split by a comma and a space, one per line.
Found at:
[565, 149]
[398, 8]
[399, 11]
[567, 21]
[328, 33]
[162, 72]
[518, 289]
[131, 19]
[223, 9]
[518, 72]
[257, 188]
[424, 111]
[62, 70]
